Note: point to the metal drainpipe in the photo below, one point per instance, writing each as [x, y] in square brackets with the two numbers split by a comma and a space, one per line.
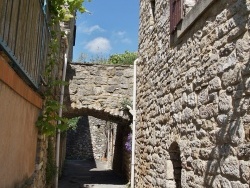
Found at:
[133, 129]
[60, 111]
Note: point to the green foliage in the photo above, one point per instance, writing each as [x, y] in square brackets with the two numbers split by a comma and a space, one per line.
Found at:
[72, 123]
[51, 169]
[125, 103]
[125, 58]
[50, 121]
[63, 10]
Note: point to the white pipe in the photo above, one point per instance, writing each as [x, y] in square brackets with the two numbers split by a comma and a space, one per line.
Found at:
[133, 129]
[60, 113]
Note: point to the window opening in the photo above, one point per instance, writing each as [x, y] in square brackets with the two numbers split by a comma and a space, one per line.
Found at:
[176, 13]
[152, 4]
[174, 152]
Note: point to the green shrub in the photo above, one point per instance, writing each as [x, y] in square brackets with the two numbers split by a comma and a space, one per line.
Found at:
[126, 58]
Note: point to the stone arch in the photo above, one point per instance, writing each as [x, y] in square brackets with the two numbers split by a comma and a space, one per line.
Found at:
[174, 153]
[98, 91]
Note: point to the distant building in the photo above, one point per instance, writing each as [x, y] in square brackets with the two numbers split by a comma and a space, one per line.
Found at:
[193, 95]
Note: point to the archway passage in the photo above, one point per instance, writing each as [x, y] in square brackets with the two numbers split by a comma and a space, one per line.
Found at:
[174, 152]
[95, 154]
[100, 91]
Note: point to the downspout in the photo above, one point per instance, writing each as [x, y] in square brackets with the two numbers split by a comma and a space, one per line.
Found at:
[133, 129]
[60, 111]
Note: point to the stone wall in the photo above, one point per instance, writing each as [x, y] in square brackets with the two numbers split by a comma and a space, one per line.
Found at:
[98, 90]
[193, 112]
[89, 140]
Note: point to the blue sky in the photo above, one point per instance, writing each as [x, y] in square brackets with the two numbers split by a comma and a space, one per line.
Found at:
[110, 28]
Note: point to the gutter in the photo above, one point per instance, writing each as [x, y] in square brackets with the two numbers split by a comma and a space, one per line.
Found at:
[133, 129]
[60, 111]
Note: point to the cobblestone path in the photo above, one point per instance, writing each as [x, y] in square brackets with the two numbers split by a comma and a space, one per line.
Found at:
[89, 174]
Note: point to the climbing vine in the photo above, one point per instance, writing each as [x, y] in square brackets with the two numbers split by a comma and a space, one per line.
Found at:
[51, 164]
[60, 10]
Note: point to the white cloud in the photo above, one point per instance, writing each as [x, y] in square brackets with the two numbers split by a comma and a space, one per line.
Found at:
[121, 37]
[84, 28]
[126, 41]
[98, 45]
[121, 33]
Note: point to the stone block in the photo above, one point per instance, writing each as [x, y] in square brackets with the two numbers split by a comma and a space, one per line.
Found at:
[169, 170]
[191, 100]
[170, 184]
[238, 184]
[203, 97]
[242, 50]
[215, 84]
[222, 119]
[206, 111]
[187, 115]
[205, 154]
[230, 166]
[220, 181]
[213, 167]
[225, 101]
[236, 132]
[245, 170]
[243, 150]
[232, 76]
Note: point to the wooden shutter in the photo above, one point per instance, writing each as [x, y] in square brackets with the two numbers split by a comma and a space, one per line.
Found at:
[176, 13]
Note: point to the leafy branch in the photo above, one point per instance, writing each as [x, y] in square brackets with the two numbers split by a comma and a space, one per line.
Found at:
[63, 10]
[60, 10]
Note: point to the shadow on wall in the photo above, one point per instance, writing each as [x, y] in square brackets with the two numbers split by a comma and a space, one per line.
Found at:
[79, 143]
[228, 161]
[84, 174]
[121, 161]
[223, 155]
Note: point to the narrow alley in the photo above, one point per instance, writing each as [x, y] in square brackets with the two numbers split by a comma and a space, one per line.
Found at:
[89, 173]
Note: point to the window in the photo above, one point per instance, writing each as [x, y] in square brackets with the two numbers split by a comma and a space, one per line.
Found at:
[174, 152]
[152, 13]
[176, 14]
[183, 13]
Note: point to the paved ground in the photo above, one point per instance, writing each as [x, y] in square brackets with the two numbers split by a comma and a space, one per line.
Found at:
[89, 174]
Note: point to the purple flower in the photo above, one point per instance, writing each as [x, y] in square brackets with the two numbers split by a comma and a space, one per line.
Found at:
[128, 143]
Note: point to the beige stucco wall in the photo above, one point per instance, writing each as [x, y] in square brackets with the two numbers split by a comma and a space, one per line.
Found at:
[18, 138]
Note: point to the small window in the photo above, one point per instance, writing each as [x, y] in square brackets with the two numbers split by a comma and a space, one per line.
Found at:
[152, 12]
[176, 13]
[174, 152]
[152, 2]
[186, 12]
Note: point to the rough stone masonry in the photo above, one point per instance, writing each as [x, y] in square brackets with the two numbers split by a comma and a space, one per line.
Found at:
[193, 110]
[98, 90]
